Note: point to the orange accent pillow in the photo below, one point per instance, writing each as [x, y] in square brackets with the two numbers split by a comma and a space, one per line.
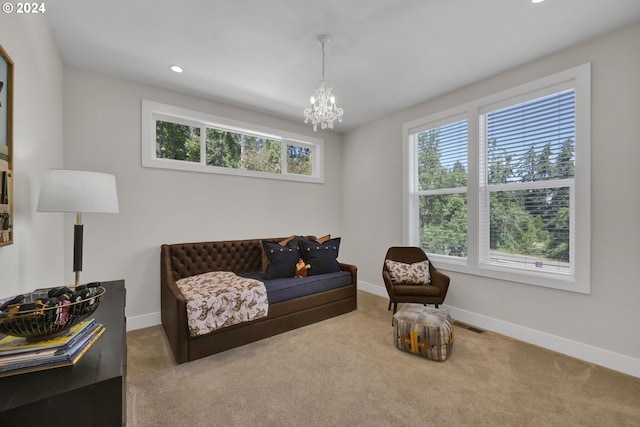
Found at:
[323, 238]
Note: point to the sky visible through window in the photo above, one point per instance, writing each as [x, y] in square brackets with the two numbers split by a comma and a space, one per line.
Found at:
[516, 129]
[525, 144]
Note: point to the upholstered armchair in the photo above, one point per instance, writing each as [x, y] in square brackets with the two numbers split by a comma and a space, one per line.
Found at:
[414, 282]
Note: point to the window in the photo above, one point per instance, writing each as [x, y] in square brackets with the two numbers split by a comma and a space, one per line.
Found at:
[530, 177]
[175, 138]
[441, 154]
[500, 187]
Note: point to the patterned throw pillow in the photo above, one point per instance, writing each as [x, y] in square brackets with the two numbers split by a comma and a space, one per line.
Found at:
[409, 274]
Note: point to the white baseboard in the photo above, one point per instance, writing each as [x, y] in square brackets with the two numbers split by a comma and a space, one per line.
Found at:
[143, 321]
[618, 362]
[373, 289]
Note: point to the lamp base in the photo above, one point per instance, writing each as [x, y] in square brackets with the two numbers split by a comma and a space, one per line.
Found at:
[77, 250]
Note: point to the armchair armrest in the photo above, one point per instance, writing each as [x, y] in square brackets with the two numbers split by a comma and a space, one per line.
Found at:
[387, 282]
[440, 281]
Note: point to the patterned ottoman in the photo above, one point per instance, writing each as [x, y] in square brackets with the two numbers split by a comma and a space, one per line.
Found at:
[425, 331]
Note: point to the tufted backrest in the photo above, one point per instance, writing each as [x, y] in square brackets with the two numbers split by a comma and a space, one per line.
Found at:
[189, 259]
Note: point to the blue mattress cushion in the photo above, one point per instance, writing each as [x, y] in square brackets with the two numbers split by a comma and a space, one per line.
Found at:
[283, 289]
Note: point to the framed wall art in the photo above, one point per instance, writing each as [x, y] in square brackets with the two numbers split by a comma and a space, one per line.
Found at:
[6, 148]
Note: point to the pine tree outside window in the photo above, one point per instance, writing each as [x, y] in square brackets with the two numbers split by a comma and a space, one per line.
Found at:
[530, 181]
[441, 164]
[500, 187]
[176, 138]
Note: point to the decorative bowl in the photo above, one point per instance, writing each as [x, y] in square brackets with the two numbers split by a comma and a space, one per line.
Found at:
[47, 313]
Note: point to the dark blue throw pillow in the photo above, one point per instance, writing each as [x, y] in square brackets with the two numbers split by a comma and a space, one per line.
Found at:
[282, 259]
[323, 257]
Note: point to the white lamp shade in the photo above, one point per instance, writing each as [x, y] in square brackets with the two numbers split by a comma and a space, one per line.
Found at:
[77, 191]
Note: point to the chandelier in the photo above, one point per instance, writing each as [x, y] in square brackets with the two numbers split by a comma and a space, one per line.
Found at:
[323, 108]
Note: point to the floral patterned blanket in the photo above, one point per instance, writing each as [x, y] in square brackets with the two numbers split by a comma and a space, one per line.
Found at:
[220, 298]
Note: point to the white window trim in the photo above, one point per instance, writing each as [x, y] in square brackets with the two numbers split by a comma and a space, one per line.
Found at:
[152, 111]
[580, 79]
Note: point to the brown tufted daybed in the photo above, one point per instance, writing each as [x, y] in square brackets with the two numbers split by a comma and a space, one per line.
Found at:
[243, 257]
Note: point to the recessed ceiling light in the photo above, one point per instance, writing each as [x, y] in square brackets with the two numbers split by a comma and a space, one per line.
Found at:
[176, 68]
[536, 1]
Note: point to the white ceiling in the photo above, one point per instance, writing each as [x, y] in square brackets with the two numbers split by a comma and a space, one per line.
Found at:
[384, 55]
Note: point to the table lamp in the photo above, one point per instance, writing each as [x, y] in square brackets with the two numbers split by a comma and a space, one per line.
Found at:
[77, 192]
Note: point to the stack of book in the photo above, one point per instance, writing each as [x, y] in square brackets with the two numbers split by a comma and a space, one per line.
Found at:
[19, 355]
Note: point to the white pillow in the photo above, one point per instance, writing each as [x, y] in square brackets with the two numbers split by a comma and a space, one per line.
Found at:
[409, 274]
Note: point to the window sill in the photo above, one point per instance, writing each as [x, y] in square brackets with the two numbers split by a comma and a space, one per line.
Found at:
[528, 277]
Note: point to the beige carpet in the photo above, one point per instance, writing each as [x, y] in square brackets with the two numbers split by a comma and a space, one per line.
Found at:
[346, 372]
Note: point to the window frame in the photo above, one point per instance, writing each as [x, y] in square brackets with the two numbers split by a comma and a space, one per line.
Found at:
[438, 121]
[578, 280]
[153, 111]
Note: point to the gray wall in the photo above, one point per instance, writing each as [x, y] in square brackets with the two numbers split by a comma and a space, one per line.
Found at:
[602, 323]
[102, 128]
[35, 259]
[361, 199]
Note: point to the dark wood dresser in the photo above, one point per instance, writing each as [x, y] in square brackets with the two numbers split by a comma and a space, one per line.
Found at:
[91, 393]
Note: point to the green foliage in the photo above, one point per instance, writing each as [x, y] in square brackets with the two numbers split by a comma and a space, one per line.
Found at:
[432, 175]
[500, 166]
[229, 149]
[222, 149]
[532, 222]
[260, 154]
[443, 218]
[240, 151]
[443, 224]
[176, 141]
[513, 229]
[298, 160]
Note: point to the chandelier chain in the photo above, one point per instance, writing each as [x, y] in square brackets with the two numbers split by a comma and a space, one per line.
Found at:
[322, 60]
